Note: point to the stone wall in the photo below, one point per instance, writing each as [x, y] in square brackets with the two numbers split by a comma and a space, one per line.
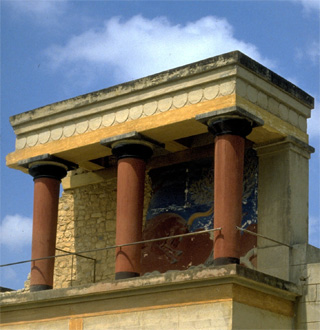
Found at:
[309, 304]
[213, 316]
[87, 221]
[222, 298]
[305, 270]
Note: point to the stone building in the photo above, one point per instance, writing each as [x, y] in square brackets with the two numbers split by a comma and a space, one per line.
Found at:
[212, 156]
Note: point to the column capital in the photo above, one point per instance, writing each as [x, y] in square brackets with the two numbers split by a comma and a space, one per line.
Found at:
[132, 149]
[230, 125]
[47, 166]
[47, 169]
[233, 121]
[131, 145]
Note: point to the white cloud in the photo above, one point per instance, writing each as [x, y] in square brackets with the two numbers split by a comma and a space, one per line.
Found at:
[313, 52]
[42, 11]
[141, 46]
[310, 53]
[309, 5]
[15, 232]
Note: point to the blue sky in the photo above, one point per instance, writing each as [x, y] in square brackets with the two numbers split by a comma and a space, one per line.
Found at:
[54, 50]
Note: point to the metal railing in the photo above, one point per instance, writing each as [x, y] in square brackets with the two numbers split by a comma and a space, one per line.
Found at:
[262, 236]
[80, 254]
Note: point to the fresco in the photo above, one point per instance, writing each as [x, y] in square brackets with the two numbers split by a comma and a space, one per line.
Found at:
[182, 202]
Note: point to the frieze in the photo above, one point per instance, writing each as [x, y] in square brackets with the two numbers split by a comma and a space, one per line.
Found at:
[256, 91]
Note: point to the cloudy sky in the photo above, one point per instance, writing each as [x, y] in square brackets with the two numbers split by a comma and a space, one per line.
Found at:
[54, 50]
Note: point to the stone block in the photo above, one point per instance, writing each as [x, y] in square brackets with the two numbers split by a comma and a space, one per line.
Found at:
[247, 317]
[202, 324]
[298, 274]
[274, 260]
[213, 316]
[308, 312]
[299, 254]
[313, 273]
[86, 228]
[310, 293]
[49, 325]
[312, 326]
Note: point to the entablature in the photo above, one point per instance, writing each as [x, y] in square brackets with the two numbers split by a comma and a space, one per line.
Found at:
[163, 107]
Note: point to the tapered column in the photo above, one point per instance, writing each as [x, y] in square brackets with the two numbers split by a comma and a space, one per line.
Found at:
[132, 158]
[228, 185]
[47, 177]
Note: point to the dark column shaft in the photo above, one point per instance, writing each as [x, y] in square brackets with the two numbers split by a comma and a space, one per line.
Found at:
[132, 157]
[230, 133]
[130, 196]
[228, 183]
[45, 214]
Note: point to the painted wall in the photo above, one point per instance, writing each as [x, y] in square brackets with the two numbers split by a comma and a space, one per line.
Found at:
[182, 201]
[178, 199]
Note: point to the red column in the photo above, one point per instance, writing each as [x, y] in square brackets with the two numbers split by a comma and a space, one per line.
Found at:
[228, 185]
[130, 196]
[47, 177]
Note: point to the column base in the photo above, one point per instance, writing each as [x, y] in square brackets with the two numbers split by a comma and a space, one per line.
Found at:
[226, 261]
[40, 287]
[123, 275]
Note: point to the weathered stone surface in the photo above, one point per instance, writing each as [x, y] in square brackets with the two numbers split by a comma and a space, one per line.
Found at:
[201, 298]
[173, 89]
[87, 221]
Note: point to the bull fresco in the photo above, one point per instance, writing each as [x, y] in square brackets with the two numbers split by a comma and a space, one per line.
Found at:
[182, 202]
